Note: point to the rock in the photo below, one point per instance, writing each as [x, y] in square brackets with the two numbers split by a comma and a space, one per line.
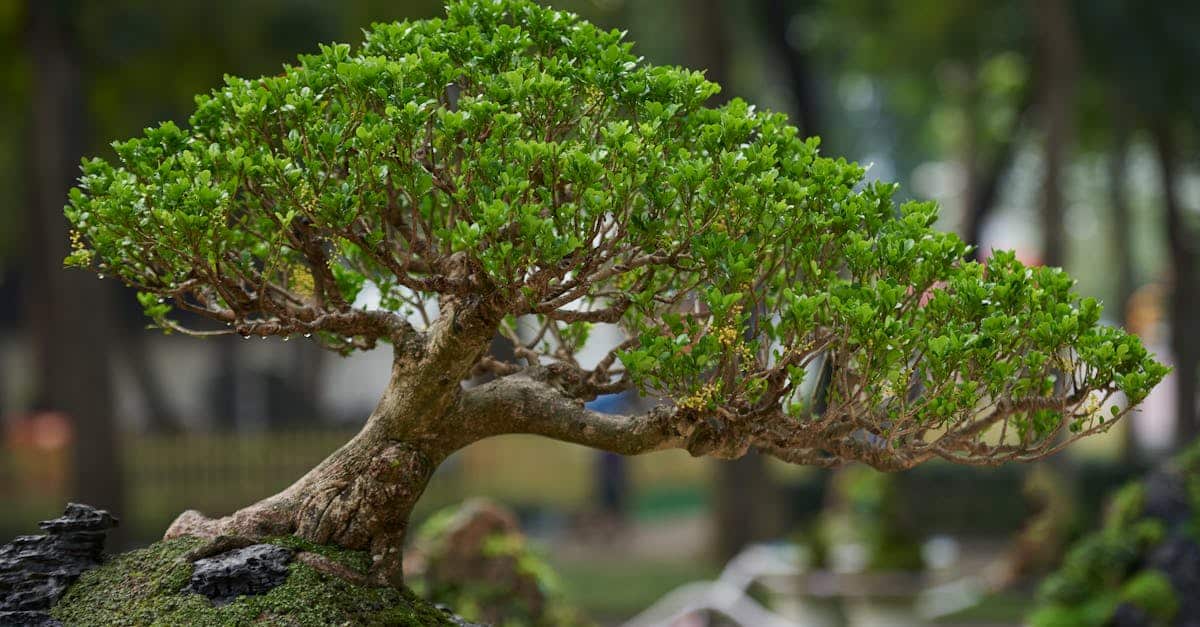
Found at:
[1167, 498]
[252, 570]
[1179, 557]
[1127, 615]
[35, 571]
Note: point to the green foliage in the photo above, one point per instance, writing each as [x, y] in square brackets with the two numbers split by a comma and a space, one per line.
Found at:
[142, 588]
[488, 572]
[866, 509]
[520, 155]
[1151, 592]
[1108, 567]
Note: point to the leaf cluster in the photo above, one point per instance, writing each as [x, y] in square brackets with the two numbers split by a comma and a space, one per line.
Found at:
[518, 156]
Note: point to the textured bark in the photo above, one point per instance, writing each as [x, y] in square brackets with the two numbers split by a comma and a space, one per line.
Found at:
[361, 496]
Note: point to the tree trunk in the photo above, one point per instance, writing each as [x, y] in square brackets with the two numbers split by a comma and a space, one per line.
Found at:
[361, 496]
[1057, 56]
[74, 317]
[982, 190]
[777, 23]
[1185, 300]
[1121, 234]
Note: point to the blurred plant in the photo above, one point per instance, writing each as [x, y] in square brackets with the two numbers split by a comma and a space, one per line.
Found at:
[474, 558]
[865, 510]
[1142, 560]
[513, 169]
[1043, 539]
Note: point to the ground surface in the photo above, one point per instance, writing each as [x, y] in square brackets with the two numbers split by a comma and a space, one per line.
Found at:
[142, 587]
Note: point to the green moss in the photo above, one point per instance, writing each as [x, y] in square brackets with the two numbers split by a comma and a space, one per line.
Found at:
[142, 588]
[1152, 592]
[357, 560]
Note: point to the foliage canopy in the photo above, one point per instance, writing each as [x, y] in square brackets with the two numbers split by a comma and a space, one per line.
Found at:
[516, 157]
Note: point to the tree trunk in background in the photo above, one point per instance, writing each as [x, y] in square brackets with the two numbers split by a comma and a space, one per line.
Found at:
[1121, 233]
[983, 182]
[1057, 57]
[743, 493]
[777, 22]
[1185, 299]
[76, 320]
[160, 416]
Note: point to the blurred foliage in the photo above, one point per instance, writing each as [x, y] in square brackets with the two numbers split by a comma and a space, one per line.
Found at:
[865, 508]
[474, 558]
[941, 64]
[1111, 566]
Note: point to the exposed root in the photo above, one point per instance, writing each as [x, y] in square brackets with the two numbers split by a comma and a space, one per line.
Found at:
[325, 565]
[359, 499]
[217, 546]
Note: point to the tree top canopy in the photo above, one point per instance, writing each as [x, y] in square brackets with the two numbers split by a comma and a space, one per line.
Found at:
[518, 161]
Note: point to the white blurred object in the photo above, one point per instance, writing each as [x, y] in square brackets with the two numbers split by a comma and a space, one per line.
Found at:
[940, 552]
[688, 605]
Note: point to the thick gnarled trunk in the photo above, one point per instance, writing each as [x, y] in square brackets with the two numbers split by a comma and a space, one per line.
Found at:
[362, 495]
[359, 498]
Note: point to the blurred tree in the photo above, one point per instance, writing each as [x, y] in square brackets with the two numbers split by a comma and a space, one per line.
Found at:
[1057, 67]
[782, 25]
[1185, 279]
[1152, 71]
[955, 75]
[72, 313]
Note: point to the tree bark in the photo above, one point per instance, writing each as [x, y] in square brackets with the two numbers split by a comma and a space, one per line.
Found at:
[1185, 300]
[361, 496]
[73, 309]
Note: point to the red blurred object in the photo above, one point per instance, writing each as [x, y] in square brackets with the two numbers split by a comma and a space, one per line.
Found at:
[37, 446]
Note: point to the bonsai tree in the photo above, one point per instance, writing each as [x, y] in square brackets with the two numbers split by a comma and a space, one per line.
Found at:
[513, 170]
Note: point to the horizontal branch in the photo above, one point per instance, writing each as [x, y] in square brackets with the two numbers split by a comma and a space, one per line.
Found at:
[521, 404]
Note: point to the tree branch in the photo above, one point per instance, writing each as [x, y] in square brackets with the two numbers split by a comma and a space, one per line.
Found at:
[523, 404]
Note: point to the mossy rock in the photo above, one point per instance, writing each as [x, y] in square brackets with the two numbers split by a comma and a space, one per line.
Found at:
[142, 587]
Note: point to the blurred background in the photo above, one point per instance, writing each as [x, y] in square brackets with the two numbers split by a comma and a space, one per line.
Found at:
[1065, 130]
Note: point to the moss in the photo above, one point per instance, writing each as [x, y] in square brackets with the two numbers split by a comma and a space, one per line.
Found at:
[357, 560]
[142, 588]
[1152, 592]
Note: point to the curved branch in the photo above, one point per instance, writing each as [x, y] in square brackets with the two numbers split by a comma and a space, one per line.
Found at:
[523, 404]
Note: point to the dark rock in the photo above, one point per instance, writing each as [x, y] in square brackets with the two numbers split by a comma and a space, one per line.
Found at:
[28, 619]
[80, 518]
[459, 621]
[35, 571]
[1128, 615]
[1179, 558]
[1167, 498]
[252, 570]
